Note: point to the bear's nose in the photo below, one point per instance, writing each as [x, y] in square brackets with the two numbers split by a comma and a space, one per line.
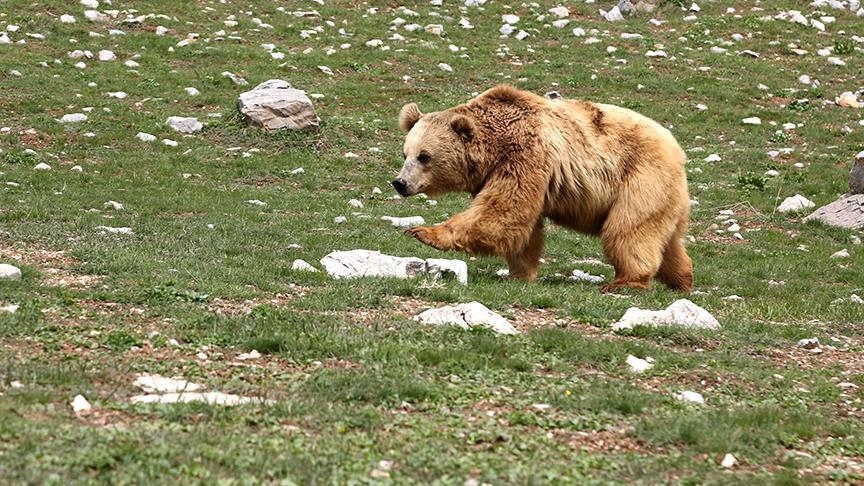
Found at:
[400, 185]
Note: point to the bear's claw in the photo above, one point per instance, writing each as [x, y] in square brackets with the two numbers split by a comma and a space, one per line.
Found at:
[427, 236]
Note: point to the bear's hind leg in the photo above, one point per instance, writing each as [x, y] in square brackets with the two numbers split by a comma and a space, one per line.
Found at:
[523, 265]
[634, 253]
[676, 270]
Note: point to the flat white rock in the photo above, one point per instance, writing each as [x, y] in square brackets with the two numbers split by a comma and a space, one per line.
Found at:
[211, 398]
[682, 313]
[690, 397]
[182, 124]
[795, 203]
[753, 120]
[73, 118]
[9, 272]
[146, 137]
[156, 383]
[235, 79]
[844, 253]
[369, 263]
[404, 222]
[302, 266]
[728, 461]
[467, 316]
[638, 365]
[117, 231]
[585, 276]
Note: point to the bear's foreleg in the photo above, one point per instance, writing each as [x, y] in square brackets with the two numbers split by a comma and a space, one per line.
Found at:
[520, 245]
[523, 265]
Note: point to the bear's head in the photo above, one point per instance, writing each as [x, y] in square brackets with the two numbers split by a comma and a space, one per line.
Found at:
[435, 152]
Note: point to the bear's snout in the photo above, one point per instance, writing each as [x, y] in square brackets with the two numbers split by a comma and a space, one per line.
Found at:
[401, 187]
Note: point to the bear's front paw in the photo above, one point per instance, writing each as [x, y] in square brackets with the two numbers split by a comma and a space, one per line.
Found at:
[430, 236]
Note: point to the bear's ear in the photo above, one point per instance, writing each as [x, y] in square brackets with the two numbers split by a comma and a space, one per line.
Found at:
[463, 126]
[409, 115]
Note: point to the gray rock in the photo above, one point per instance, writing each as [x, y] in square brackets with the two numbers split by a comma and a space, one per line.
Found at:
[9, 272]
[274, 105]
[466, 316]
[186, 125]
[681, 313]
[846, 212]
[646, 6]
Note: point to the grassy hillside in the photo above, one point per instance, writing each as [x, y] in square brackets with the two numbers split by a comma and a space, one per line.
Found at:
[356, 390]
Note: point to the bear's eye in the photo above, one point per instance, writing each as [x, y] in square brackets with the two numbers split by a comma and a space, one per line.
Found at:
[423, 158]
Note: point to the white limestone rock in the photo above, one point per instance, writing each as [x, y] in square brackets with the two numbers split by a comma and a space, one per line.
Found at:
[80, 404]
[795, 203]
[116, 231]
[186, 125]
[638, 365]
[690, 397]
[682, 313]
[302, 266]
[369, 263]
[155, 383]
[210, 398]
[466, 316]
[437, 267]
[405, 222]
[9, 272]
[146, 137]
[274, 105]
[73, 118]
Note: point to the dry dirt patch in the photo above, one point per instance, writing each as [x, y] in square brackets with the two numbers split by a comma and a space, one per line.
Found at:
[56, 266]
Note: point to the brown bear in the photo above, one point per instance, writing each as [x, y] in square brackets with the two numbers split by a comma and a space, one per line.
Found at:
[599, 169]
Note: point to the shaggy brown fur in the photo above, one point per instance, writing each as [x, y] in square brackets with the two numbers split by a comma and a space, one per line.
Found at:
[599, 169]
